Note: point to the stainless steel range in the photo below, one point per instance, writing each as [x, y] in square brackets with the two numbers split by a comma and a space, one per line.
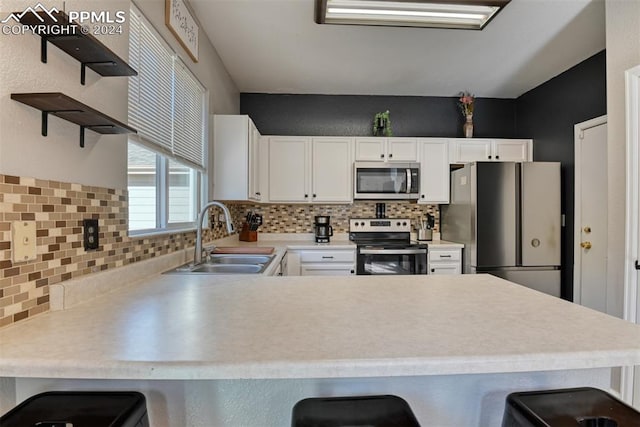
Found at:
[384, 246]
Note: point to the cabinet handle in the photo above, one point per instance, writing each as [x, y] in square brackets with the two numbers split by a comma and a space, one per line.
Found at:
[314, 196]
[391, 155]
[306, 196]
[497, 157]
[422, 196]
[445, 256]
[382, 156]
[433, 270]
[489, 157]
[257, 193]
[327, 257]
[352, 271]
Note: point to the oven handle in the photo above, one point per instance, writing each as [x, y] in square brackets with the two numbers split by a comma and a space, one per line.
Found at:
[392, 251]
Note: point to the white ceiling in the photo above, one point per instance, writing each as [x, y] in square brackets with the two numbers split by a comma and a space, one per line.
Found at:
[275, 46]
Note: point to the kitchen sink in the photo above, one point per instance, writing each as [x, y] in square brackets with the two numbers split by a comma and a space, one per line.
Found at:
[227, 264]
[239, 259]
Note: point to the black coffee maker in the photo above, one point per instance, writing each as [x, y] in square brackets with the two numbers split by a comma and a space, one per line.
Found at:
[323, 230]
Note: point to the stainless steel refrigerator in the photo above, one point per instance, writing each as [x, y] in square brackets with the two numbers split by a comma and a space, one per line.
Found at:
[508, 217]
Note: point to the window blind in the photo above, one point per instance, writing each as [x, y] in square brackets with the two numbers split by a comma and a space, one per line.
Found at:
[166, 102]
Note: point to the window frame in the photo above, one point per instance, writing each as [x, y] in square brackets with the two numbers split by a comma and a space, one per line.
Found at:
[199, 172]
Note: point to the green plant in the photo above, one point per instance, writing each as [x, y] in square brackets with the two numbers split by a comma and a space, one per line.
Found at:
[382, 124]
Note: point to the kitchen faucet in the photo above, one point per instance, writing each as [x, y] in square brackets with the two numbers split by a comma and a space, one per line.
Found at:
[197, 257]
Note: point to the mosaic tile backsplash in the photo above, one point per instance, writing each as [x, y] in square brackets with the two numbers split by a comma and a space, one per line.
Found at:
[58, 209]
[299, 218]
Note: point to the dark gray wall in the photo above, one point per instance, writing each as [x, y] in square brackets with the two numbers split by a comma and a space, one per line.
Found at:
[547, 114]
[352, 115]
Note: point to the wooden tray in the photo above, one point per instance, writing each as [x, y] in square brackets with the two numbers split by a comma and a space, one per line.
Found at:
[266, 250]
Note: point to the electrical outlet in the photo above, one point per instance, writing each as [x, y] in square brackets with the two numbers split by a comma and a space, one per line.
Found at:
[91, 233]
[221, 218]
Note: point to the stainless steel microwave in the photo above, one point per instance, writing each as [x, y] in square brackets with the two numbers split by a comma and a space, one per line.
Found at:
[386, 181]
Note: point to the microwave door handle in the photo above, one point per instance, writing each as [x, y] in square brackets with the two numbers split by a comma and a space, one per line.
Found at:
[408, 181]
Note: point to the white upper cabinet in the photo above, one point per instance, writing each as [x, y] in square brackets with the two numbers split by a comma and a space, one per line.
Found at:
[466, 150]
[434, 170]
[289, 165]
[378, 149]
[236, 158]
[332, 170]
[311, 170]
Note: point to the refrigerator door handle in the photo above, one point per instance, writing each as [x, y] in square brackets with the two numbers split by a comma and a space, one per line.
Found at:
[518, 231]
[408, 181]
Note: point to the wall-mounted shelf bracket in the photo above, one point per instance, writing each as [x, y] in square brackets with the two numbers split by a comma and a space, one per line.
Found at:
[67, 108]
[71, 38]
[84, 65]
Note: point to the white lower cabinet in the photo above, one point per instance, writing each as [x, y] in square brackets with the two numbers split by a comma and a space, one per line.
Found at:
[321, 262]
[444, 260]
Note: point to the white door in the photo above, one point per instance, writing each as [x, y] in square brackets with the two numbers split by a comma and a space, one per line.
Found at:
[332, 170]
[590, 231]
[434, 171]
[289, 169]
[630, 386]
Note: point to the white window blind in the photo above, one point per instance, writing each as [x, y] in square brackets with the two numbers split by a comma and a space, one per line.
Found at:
[166, 102]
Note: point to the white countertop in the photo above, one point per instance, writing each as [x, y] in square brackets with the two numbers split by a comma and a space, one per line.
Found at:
[229, 327]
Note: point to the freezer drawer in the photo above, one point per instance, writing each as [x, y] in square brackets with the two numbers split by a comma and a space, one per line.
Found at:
[547, 281]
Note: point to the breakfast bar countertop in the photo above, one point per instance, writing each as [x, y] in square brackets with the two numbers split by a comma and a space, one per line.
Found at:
[225, 327]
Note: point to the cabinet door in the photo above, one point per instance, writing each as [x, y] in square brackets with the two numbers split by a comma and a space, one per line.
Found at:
[327, 269]
[289, 169]
[472, 150]
[402, 150]
[370, 149]
[230, 154]
[512, 150]
[434, 171]
[254, 163]
[332, 170]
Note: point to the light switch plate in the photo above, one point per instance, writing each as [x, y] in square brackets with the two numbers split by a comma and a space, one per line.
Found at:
[23, 241]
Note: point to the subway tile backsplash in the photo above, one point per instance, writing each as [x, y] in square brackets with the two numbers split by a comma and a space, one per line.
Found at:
[58, 209]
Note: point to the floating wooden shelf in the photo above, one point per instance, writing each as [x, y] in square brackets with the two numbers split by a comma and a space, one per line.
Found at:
[56, 29]
[65, 107]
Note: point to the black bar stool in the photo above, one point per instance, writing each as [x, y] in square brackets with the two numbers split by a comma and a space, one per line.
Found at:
[571, 407]
[353, 411]
[79, 409]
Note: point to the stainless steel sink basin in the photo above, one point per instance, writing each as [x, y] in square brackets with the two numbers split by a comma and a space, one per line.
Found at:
[228, 268]
[239, 259]
[227, 264]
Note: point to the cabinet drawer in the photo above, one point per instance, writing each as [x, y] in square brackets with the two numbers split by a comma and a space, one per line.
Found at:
[328, 256]
[327, 269]
[444, 255]
[444, 268]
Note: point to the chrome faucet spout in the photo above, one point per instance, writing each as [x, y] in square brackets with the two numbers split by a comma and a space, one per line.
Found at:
[197, 257]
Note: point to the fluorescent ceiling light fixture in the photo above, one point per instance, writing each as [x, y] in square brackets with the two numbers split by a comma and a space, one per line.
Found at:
[462, 14]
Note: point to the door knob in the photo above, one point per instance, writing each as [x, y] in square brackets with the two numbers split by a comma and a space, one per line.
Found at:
[586, 245]
[587, 229]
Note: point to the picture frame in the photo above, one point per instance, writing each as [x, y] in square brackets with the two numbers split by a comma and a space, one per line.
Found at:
[184, 27]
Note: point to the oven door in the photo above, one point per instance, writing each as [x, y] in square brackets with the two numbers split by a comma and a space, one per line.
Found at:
[375, 260]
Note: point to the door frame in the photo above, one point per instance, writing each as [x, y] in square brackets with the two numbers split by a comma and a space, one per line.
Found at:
[578, 132]
[632, 218]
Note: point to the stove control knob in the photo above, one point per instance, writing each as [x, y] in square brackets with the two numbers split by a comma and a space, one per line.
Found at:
[398, 223]
[404, 223]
